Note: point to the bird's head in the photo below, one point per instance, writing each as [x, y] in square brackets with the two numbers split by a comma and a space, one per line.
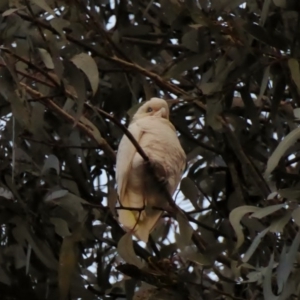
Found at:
[154, 107]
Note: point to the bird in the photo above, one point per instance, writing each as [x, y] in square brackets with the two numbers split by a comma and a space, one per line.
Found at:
[140, 192]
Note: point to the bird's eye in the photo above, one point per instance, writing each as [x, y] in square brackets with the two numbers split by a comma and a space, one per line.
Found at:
[149, 109]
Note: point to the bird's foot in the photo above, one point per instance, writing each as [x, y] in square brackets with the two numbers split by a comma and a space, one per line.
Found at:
[159, 172]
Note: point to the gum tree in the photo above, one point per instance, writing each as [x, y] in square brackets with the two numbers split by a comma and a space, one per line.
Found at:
[72, 73]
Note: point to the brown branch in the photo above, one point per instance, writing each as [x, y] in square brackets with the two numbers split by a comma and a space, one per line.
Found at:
[123, 128]
[203, 225]
[236, 181]
[130, 208]
[132, 66]
[155, 77]
[31, 65]
[58, 144]
[153, 43]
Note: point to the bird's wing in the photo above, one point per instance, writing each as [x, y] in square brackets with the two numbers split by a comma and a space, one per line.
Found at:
[125, 156]
[165, 150]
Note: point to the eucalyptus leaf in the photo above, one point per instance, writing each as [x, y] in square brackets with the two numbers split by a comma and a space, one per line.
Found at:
[283, 146]
[51, 162]
[235, 217]
[185, 229]
[92, 129]
[267, 287]
[254, 245]
[61, 227]
[278, 225]
[4, 277]
[55, 194]
[87, 65]
[286, 262]
[126, 250]
[295, 72]
[267, 211]
[42, 250]
[189, 190]
[46, 57]
[296, 216]
[43, 4]
[193, 61]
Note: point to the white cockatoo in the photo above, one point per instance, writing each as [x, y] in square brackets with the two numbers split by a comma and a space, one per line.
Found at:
[137, 188]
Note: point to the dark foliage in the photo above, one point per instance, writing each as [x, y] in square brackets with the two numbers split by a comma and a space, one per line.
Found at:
[72, 72]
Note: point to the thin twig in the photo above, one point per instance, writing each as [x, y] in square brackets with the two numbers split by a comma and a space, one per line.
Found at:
[153, 43]
[130, 208]
[123, 128]
[31, 65]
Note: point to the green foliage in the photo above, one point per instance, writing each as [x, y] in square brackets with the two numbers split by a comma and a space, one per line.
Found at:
[72, 72]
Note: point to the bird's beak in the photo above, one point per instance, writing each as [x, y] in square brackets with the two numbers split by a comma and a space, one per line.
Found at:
[162, 113]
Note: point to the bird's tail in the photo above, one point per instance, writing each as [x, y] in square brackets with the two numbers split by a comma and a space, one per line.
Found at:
[141, 223]
[145, 227]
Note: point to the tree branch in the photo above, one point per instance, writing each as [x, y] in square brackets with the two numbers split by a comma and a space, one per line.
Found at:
[132, 66]
[50, 104]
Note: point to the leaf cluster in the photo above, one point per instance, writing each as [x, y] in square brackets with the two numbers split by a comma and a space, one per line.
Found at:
[72, 74]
